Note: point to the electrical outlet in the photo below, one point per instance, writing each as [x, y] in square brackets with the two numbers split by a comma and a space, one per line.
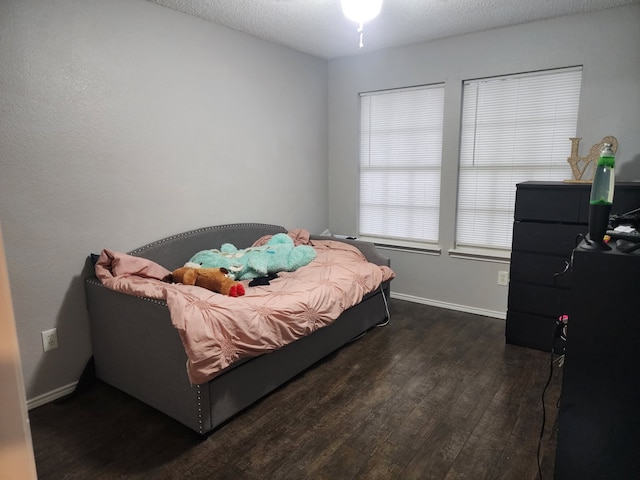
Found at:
[503, 277]
[50, 339]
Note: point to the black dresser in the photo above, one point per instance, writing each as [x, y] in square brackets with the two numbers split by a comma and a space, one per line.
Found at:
[550, 218]
[599, 419]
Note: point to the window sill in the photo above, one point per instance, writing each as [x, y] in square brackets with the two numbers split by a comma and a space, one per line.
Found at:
[404, 246]
[481, 254]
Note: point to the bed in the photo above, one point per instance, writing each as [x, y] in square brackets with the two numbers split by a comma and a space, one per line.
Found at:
[141, 348]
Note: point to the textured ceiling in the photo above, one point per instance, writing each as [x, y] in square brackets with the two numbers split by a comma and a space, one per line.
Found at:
[318, 27]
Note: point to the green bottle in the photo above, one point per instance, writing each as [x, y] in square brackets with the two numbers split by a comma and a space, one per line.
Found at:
[604, 179]
[601, 199]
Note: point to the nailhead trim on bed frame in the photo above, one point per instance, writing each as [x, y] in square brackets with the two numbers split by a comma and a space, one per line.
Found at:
[198, 393]
[152, 300]
[201, 230]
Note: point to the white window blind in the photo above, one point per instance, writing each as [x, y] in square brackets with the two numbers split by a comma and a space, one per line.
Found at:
[514, 129]
[400, 161]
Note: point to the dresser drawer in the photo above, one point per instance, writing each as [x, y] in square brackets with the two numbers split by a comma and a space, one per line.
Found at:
[540, 269]
[552, 203]
[547, 238]
[529, 330]
[537, 299]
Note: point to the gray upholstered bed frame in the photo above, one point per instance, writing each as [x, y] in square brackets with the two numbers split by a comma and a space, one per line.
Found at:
[137, 350]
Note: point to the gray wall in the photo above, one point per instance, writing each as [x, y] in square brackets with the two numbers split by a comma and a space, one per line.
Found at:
[124, 122]
[606, 43]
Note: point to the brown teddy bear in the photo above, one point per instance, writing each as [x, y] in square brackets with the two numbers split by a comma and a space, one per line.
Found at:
[214, 279]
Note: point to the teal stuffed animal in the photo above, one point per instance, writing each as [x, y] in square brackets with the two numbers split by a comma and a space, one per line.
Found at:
[279, 254]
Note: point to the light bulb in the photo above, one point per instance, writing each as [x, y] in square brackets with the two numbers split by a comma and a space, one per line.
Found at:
[361, 11]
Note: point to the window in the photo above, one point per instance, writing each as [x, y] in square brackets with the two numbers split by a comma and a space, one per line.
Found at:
[514, 128]
[400, 159]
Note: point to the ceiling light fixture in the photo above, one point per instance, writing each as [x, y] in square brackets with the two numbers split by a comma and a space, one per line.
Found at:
[361, 11]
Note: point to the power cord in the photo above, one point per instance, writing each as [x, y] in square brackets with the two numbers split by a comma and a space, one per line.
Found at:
[386, 307]
[383, 323]
[558, 332]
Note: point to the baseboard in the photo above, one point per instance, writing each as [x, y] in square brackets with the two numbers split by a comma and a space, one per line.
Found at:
[51, 396]
[450, 306]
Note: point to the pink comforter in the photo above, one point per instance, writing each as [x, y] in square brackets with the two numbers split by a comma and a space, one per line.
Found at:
[217, 330]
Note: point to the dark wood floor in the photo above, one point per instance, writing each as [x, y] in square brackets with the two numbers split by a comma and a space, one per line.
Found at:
[436, 394]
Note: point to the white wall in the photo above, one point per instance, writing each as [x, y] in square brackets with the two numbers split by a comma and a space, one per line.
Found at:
[124, 122]
[606, 43]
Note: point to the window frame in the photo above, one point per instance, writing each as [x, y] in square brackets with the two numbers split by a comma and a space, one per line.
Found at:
[424, 245]
[465, 249]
